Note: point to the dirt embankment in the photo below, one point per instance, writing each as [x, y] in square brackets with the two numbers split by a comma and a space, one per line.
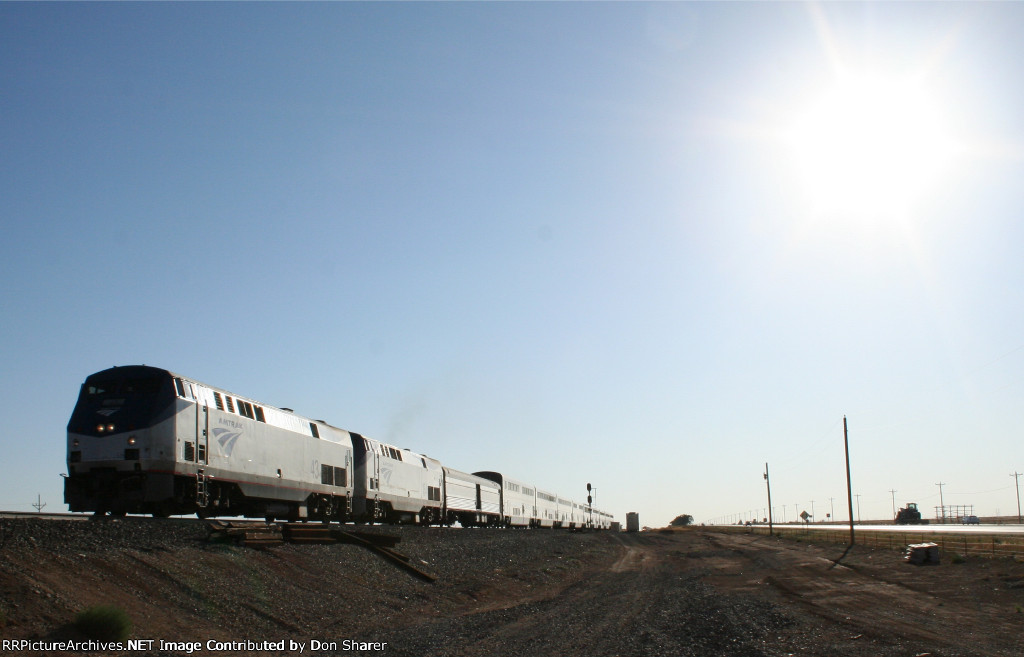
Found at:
[507, 593]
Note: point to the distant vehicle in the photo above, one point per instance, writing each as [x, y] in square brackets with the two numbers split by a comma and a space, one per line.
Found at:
[969, 520]
[909, 515]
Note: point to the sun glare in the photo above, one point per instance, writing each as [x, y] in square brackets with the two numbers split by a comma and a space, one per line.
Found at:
[868, 147]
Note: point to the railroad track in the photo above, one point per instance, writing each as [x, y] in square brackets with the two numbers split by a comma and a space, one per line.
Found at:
[257, 533]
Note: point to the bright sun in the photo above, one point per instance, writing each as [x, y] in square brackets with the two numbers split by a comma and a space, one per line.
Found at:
[868, 147]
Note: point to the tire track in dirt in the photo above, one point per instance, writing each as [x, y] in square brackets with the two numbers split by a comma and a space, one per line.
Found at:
[855, 598]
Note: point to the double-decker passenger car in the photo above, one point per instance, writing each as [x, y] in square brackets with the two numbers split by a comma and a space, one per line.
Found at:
[145, 440]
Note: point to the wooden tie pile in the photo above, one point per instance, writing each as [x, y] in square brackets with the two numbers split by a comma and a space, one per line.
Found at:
[264, 534]
[921, 553]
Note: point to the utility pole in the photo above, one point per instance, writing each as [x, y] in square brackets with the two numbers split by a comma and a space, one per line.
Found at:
[39, 503]
[849, 486]
[768, 483]
[942, 503]
[858, 507]
[812, 509]
[832, 505]
[1016, 478]
[893, 502]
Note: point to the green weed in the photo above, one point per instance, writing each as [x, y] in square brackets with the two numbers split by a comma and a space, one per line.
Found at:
[104, 623]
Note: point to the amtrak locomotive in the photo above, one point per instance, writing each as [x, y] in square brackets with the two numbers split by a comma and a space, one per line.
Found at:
[145, 440]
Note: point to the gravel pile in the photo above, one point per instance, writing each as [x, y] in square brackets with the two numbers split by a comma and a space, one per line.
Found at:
[177, 585]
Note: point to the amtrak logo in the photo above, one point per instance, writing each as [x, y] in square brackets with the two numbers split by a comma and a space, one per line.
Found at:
[107, 412]
[227, 439]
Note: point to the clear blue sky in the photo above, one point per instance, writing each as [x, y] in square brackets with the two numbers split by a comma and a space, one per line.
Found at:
[574, 242]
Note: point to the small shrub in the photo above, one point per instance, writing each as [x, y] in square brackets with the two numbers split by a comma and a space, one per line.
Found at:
[957, 558]
[104, 623]
[1019, 609]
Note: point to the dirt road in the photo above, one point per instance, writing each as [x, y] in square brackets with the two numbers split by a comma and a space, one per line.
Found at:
[511, 593]
[738, 595]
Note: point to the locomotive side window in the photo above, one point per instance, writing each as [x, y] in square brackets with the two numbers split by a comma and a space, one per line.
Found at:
[180, 387]
[259, 414]
[314, 430]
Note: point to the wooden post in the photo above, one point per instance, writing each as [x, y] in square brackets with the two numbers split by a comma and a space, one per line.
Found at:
[849, 486]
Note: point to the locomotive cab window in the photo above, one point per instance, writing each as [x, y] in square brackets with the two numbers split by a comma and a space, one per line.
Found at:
[314, 430]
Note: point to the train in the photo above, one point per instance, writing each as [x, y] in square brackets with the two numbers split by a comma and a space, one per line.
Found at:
[144, 440]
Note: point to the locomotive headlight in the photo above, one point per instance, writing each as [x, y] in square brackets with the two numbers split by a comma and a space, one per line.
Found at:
[100, 428]
[131, 440]
[74, 443]
[110, 428]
